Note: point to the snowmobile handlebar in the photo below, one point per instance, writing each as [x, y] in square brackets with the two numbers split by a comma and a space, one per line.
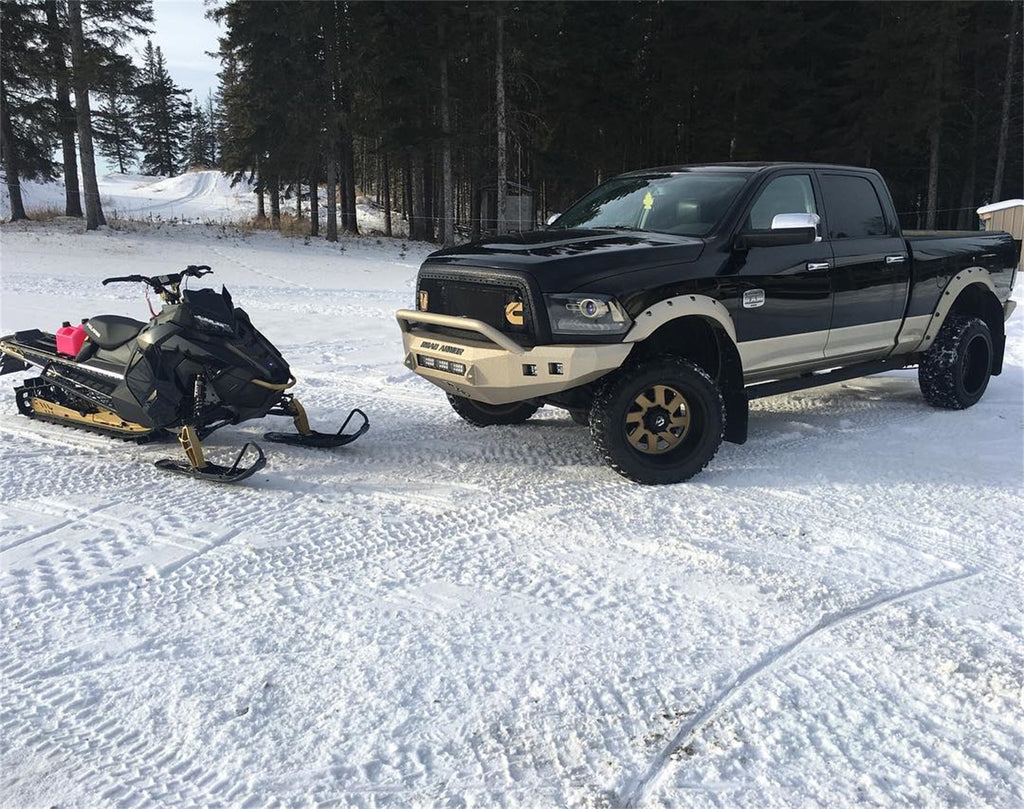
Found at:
[158, 282]
[139, 278]
[167, 286]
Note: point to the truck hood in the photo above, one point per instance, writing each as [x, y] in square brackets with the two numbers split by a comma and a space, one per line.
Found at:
[567, 260]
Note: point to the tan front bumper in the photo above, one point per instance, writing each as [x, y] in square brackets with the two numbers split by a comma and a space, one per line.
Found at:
[495, 369]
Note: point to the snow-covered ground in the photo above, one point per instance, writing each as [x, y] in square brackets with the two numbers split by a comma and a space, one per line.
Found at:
[441, 616]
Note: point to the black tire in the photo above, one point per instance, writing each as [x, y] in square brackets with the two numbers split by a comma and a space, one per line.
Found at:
[955, 370]
[580, 417]
[667, 392]
[486, 415]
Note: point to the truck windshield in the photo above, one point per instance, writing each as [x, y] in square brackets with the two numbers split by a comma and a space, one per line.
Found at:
[687, 204]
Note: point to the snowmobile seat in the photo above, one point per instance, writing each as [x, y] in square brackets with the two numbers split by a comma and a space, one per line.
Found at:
[111, 331]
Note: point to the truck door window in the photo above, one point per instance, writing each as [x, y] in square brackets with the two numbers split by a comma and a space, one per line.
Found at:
[854, 211]
[791, 193]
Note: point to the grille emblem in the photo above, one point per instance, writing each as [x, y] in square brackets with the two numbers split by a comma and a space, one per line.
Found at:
[424, 300]
[514, 313]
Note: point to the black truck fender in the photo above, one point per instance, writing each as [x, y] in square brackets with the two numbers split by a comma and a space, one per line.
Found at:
[970, 292]
[698, 328]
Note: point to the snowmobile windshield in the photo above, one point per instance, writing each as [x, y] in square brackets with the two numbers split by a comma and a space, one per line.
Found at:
[210, 312]
[685, 204]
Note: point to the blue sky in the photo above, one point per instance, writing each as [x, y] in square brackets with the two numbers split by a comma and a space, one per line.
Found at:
[185, 37]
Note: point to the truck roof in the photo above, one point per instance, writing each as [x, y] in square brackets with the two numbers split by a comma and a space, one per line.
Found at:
[739, 167]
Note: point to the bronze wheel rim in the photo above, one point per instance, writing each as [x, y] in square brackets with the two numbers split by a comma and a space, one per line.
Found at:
[658, 420]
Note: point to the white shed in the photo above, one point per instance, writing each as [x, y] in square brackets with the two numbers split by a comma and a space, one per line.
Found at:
[1007, 215]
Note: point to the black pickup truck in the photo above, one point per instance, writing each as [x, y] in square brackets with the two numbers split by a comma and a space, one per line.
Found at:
[664, 300]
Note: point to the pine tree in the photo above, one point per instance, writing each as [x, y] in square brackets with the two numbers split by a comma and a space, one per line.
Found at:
[114, 128]
[26, 118]
[105, 27]
[256, 94]
[56, 51]
[405, 96]
[163, 116]
[213, 117]
[197, 153]
[81, 74]
[1004, 120]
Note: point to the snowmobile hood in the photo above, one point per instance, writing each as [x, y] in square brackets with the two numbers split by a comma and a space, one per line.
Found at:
[567, 260]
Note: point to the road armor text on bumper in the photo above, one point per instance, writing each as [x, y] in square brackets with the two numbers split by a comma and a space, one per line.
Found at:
[495, 369]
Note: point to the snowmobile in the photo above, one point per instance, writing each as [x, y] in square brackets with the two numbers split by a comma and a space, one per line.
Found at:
[199, 364]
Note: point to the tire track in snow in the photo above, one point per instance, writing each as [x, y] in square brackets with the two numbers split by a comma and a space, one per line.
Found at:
[131, 767]
[51, 434]
[108, 753]
[77, 515]
[640, 789]
[780, 424]
[204, 184]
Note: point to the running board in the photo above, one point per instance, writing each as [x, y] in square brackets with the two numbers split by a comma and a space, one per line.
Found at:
[814, 380]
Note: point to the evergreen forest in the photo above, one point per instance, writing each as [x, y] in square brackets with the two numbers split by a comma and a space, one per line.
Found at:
[446, 112]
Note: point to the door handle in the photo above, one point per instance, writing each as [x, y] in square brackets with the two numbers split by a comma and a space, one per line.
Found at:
[812, 266]
[895, 259]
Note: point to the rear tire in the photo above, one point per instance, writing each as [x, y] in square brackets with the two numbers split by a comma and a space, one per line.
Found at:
[658, 422]
[954, 372]
[487, 415]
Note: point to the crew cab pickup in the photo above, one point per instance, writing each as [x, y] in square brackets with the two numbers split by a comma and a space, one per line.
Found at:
[658, 305]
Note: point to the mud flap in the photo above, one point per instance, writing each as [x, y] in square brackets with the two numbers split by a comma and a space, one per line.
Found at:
[10, 364]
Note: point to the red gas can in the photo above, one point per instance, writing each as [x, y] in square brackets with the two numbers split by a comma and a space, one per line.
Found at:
[70, 339]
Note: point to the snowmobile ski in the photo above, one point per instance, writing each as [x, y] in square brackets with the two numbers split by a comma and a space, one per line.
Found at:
[306, 437]
[196, 465]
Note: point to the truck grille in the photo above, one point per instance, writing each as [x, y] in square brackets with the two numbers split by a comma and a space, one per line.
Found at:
[502, 302]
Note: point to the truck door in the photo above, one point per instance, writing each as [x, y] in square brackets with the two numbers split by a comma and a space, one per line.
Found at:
[871, 266]
[785, 299]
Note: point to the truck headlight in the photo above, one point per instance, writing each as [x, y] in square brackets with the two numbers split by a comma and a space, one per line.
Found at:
[586, 313]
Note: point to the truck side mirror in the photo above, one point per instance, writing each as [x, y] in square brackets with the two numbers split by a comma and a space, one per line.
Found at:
[785, 221]
[787, 229]
[552, 218]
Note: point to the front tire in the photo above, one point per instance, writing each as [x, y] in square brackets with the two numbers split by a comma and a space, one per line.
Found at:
[658, 422]
[487, 415]
[580, 417]
[954, 372]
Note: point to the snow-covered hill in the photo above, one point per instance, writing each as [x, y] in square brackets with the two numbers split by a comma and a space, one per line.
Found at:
[204, 197]
[441, 616]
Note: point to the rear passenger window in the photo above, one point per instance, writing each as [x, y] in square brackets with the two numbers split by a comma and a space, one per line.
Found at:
[853, 207]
